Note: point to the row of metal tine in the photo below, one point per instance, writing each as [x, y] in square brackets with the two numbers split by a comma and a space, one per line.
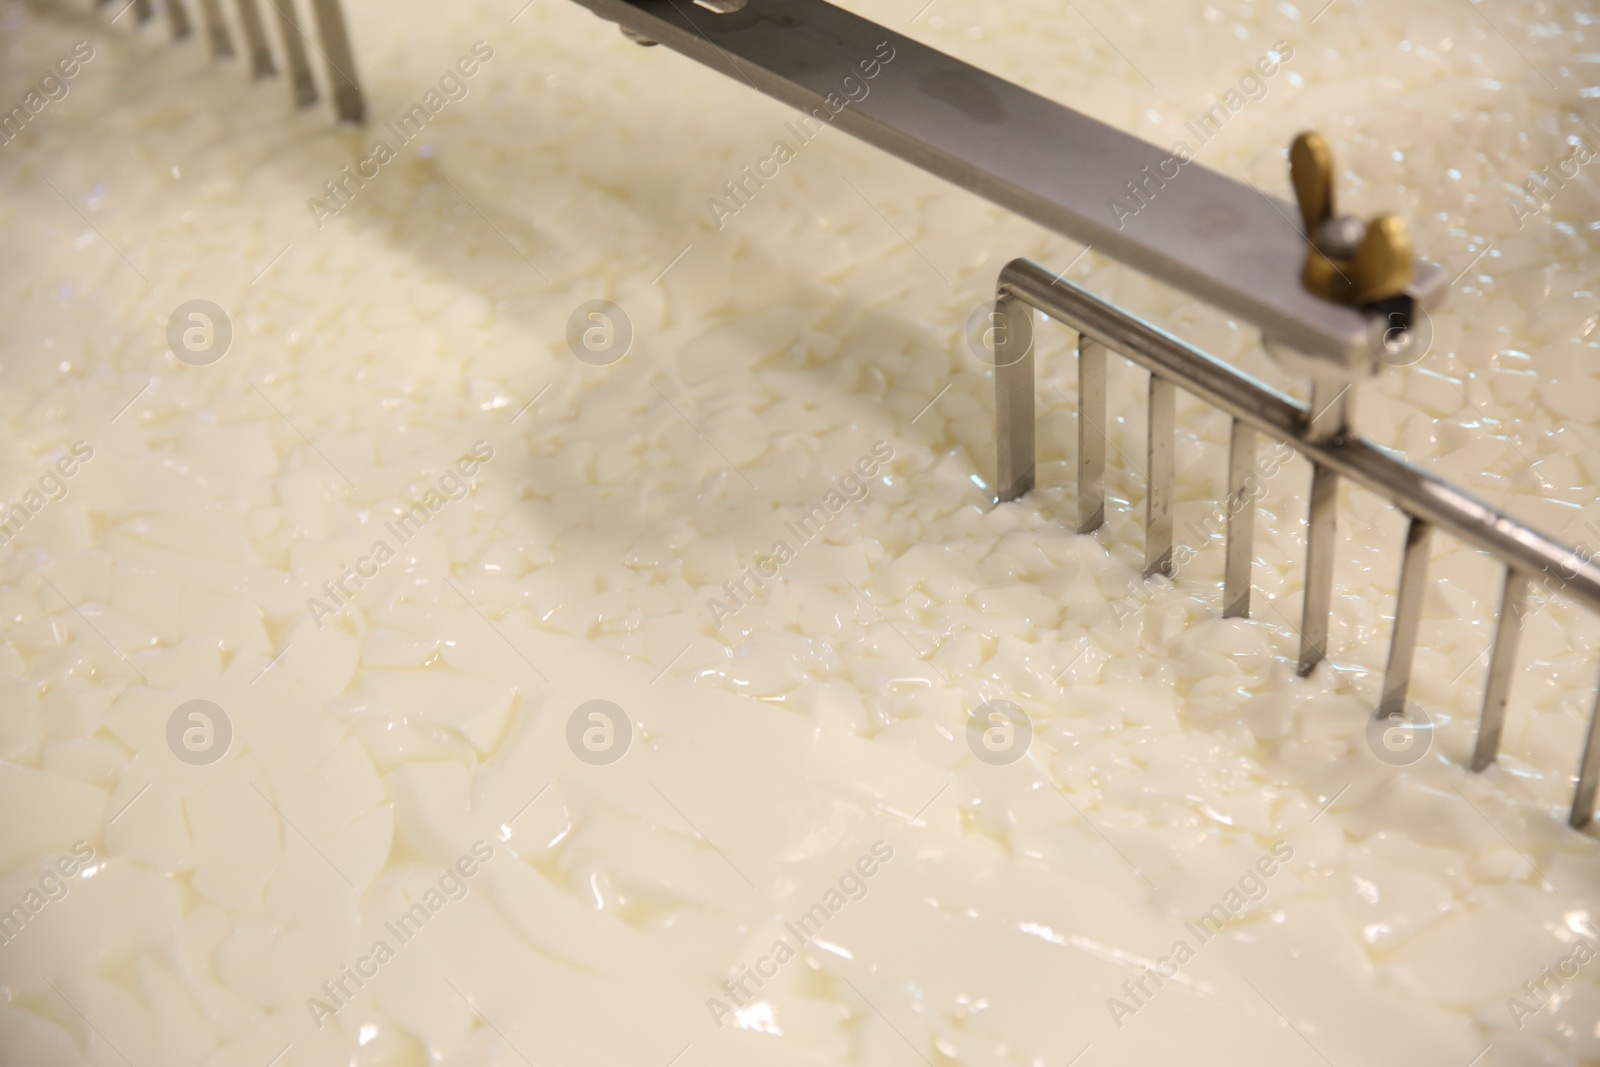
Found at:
[333, 44]
[1322, 433]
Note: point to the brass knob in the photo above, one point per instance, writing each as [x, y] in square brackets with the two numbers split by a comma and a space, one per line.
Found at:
[1347, 261]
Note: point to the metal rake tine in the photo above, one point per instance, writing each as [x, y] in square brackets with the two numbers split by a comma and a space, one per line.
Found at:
[216, 29]
[348, 102]
[1240, 550]
[1588, 774]
[303, 85]
[1502, 663]
[1091, 434]
[1158, 503]
[1407, 619]
[178, 17]
[255, 35]
[1013, 396]
[1321, 533]
[1327, 419]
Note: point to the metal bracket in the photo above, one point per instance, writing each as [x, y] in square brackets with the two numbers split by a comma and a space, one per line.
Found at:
[1213, 236]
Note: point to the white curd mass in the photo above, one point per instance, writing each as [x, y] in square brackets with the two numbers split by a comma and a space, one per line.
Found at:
[501, 585]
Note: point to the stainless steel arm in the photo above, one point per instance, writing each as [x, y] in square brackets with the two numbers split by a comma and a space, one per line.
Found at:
[1219, 239]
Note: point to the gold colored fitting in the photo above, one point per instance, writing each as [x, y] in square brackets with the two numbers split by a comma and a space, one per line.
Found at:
[1311, 171]
[1346, 262]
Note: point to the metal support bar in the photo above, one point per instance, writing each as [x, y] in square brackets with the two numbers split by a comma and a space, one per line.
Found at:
[347, 99]
[1588, 774]
[1158, 501]
[1279, 417]
[1215, 237]
[216, 29]
[1502, 661]
[1091, 435]
[1241, 522]
[1407, 616]
[294, 51]
[1013, 396]
[1321, 530]
[255, 36]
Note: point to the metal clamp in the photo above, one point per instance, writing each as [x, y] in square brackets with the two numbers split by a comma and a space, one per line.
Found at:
[1350, 262]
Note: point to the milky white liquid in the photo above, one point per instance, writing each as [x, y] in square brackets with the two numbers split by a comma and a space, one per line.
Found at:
[1172, 751]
